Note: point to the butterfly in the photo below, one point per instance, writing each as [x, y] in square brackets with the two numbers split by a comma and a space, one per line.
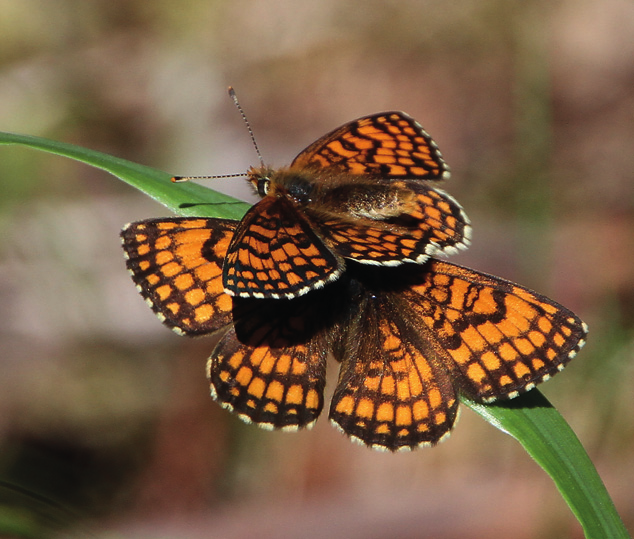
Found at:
[411, 339]
[337, 258]
[355, 194]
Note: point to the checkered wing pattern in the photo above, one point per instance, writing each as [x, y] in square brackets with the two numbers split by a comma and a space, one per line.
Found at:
[393, 391]
[276, 253]
[270, 368]
[497, 338]
[414, 223]
[431, 333]
[177, 266]
[389, 145]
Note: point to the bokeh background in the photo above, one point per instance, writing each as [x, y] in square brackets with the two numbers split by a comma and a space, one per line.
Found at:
[106, 426]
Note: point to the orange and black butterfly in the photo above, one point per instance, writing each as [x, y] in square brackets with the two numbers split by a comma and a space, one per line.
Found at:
[355, 194]
[336, 260]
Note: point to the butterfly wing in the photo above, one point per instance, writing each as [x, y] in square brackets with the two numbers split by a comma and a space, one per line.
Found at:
[270, 368]
[389, 145]
[277, 253]
[177, 266]
[498, 339]
[422, 335]
[405, 222]
[393, 392]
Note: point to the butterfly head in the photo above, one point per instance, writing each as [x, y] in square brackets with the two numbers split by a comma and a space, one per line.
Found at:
[260, 179]
[282, 183]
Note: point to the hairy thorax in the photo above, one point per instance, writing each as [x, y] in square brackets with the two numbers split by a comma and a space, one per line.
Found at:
[332, 192]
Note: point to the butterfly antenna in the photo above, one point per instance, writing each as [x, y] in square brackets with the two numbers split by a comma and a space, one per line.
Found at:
[234, 97]
[232, 94]
[179, 179]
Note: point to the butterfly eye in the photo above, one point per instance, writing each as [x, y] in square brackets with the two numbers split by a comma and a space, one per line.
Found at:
[263, 186]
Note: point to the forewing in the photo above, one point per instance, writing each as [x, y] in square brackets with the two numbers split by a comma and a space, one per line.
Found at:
[276, 253]
[390, 145]
[177, 266]
[499, 339]
[421, 222]
[393, 392]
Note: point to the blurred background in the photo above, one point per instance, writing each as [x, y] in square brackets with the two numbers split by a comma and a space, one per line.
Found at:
[106, 425]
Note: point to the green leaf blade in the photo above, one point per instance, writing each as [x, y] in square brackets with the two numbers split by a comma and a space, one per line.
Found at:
[187, 199]
[533, 421]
